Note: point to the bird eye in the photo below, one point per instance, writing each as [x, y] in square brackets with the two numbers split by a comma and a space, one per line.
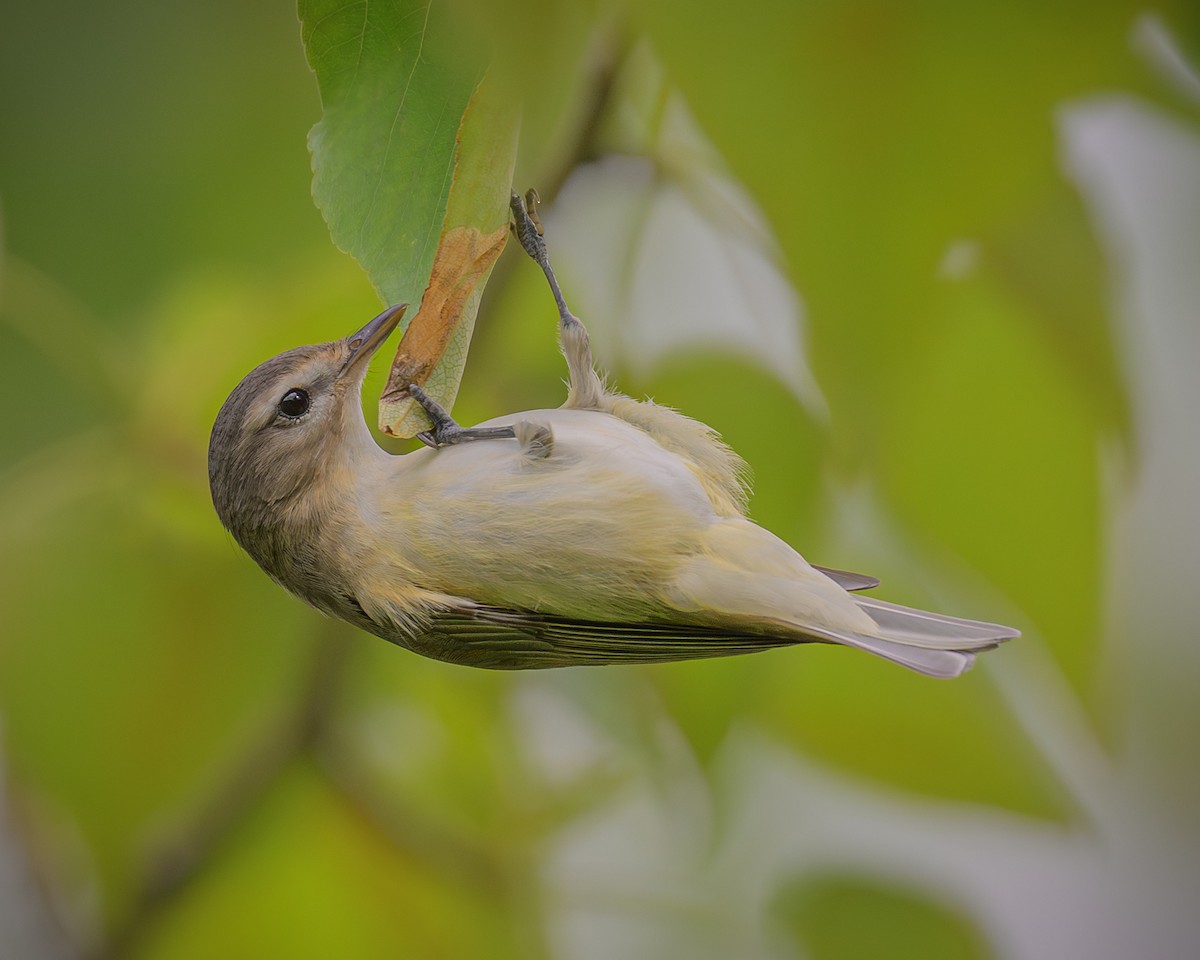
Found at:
[294, 404]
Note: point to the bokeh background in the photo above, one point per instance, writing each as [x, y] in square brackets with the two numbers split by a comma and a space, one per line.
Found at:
[933, 269]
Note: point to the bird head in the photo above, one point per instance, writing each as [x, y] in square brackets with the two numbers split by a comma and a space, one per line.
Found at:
[288, 433]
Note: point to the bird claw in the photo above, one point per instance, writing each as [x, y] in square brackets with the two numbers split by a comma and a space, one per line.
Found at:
[446, 431]
[585, 388]
[526, 225]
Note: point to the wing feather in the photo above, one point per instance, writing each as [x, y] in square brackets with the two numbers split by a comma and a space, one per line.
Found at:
[500, 639]
[847, 580]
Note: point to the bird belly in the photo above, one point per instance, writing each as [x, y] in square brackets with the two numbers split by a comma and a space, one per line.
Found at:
[609, 526]
[596, 530]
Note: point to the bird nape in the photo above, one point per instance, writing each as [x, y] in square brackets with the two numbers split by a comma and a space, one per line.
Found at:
[605, 531]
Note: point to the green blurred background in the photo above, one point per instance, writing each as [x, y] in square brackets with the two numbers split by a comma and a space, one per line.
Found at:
[932, 269]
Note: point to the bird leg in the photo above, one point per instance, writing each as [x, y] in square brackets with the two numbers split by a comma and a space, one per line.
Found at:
[585, 389]
[446, 430]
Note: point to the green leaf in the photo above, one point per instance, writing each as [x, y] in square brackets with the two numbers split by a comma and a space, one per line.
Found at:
[412, 165]
[383, 153]
[433, 350]
[844, 918]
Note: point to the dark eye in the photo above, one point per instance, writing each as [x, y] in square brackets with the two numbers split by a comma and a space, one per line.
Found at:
[294, 404]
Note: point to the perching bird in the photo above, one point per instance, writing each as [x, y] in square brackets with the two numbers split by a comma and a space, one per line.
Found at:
[605, 531]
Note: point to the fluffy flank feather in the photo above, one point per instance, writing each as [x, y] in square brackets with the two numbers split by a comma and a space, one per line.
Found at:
[724, 475]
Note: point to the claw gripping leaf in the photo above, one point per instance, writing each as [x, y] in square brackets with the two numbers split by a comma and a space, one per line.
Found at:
[412, 164]
[434, 347]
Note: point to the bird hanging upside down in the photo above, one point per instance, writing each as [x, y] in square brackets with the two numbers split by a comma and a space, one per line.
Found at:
[605, 531]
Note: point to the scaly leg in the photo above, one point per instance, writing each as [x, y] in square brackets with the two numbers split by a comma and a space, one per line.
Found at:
[445, 430]
[585, 387]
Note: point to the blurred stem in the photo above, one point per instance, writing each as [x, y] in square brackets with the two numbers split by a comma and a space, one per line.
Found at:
[39, 310]
[583, 149]
[599, 97]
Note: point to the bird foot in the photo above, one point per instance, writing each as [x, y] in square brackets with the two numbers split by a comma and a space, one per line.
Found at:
[446, 431]
[586, 389]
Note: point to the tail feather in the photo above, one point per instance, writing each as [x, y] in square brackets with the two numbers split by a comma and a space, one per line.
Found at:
[934, 631]
[944, 664]
[929, 643]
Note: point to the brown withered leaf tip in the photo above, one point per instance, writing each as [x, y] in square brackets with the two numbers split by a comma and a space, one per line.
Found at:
[405, 370]
[463, 259]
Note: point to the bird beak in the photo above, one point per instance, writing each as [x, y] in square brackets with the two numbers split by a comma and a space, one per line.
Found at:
[364, 343]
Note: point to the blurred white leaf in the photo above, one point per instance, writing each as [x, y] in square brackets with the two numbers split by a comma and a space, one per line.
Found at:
[1139, 170]
[1153, 39]
[668, 254]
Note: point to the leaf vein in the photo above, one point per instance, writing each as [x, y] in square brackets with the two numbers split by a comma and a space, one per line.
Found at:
[387, 149]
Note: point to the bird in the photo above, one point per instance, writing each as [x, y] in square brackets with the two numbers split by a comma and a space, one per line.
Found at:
[605, 531]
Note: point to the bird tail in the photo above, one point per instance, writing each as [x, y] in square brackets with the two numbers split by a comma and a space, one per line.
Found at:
[929, 643]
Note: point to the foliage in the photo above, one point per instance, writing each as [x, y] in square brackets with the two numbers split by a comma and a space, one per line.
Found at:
[983, 259]
[412, 162]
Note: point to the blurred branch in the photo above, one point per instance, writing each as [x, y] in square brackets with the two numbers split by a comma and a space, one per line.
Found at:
[32, 922]
[203, 841]
[63, 329]
[497, 873]
[414, 836]
[45, 482]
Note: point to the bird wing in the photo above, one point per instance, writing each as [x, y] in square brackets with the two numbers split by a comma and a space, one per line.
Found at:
[847, 580]
[501, 639]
